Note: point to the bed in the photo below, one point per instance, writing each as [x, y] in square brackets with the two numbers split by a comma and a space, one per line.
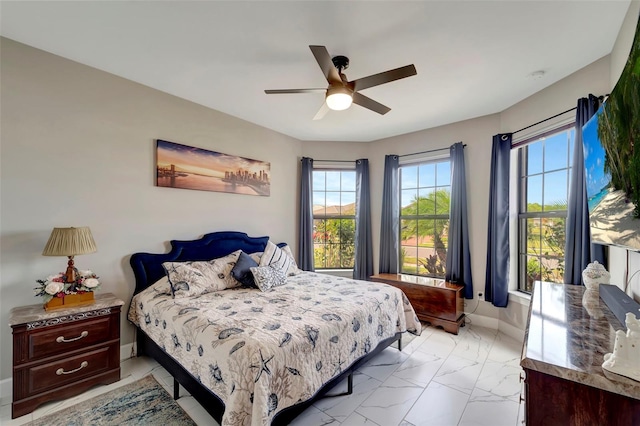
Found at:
[251, 357]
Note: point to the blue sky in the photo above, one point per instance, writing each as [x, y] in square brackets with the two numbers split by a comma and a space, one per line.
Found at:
[333, 182]
[552, 155]
[594, 157]
[421, 180]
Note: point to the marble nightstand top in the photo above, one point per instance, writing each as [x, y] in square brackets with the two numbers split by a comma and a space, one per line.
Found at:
[35, 313]
[566, 340]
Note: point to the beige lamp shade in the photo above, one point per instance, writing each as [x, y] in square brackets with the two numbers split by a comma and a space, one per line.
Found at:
[70, 242]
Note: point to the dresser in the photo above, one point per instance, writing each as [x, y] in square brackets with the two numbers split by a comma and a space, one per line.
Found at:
[435, 301]
[61, 353]
[562, 356]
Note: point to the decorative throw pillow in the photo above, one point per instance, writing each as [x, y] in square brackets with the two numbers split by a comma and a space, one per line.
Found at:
[276, 257]
[242, 271]
[195, 278]
[267, 277]
[293, 269]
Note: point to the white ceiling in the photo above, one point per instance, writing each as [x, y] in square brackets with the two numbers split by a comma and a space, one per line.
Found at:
[473, 57]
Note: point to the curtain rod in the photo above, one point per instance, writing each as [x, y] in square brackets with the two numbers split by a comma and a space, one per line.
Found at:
[404, 155]
[600, 98]
[335, 161]
[546, 119]
[426, 152]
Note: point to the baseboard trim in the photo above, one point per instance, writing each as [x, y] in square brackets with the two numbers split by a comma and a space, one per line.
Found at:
[6, 391]
[511, 331]
[126, 351]
[496, 324]
[482, 321]
[6, 385]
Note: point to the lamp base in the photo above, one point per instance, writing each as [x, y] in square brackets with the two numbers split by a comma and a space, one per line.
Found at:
[69, 301]
[70, 274]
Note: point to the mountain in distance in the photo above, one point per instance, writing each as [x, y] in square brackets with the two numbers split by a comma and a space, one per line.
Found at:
[347, 209]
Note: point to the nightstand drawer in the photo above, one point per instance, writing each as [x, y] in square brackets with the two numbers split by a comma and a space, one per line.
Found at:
[64, 339]
[58, 373]
[62, 353]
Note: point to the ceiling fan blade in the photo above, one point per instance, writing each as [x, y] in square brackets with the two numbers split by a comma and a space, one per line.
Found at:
[384, 77]
[369, 103]
[284, 91]
[326, 64]
[324, 109]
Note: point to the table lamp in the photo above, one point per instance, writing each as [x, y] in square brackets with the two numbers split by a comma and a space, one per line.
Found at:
[70, 242]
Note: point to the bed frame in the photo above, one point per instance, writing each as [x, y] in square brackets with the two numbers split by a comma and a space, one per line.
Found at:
[147, 268]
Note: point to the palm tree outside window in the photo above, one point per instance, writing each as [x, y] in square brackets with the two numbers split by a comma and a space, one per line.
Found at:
[425, 192]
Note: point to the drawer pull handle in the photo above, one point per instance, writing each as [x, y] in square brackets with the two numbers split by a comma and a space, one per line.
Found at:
[61, 339]
[61, 371]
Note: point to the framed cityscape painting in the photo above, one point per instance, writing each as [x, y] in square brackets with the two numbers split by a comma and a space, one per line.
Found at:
[187, 167]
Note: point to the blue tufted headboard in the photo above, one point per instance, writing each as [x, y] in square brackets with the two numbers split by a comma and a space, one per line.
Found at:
[147, 267]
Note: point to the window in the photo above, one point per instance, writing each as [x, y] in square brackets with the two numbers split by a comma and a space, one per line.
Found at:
[544, 170]
[334, 218]
[424, 217]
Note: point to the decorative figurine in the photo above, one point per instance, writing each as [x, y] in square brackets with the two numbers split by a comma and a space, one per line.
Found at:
[625, 359]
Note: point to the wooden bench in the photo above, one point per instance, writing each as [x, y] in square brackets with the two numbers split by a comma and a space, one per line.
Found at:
[434, 300]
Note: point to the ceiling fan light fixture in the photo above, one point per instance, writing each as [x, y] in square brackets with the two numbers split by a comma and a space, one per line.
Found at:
[339, 98]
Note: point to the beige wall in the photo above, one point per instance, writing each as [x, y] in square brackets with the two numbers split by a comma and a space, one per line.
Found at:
[622, 47]
[77, 148]
[341, 151]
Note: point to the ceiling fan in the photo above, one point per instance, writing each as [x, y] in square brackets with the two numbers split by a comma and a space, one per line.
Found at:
[341, 93]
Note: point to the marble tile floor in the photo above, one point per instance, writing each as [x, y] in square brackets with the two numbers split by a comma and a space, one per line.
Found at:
[439, 379]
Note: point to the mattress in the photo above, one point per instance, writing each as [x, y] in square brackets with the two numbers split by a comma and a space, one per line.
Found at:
[261, 352]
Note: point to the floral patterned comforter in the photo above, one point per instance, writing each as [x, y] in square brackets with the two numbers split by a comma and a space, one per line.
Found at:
[263, 352]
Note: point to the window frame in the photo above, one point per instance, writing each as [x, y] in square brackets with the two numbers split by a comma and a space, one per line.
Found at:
[416, 217]
[334, 216]
[522, 194]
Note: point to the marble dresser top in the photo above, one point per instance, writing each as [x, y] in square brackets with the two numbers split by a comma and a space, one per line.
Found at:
[566, 340]
[31, 313]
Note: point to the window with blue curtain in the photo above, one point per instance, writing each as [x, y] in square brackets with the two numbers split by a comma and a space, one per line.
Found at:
[425, 192]
[544, 170]
[334, 218]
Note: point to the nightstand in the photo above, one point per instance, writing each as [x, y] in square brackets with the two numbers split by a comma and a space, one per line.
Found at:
[61, 353]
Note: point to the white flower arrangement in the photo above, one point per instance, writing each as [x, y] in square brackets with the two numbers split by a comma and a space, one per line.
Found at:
[54, 285]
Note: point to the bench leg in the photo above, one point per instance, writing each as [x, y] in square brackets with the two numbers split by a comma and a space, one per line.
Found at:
[176, 389]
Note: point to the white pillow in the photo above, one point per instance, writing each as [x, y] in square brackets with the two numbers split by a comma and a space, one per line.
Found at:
[293, 269]
[195, 278]
[267, 277]
[276, 257]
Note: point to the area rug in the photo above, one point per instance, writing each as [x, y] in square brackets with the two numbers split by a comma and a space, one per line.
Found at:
[144, 402]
